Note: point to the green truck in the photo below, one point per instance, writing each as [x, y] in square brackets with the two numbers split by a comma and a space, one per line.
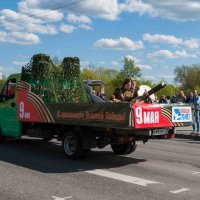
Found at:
[48, 105]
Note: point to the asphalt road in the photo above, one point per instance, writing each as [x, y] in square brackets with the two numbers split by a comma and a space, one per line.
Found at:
[37, 170]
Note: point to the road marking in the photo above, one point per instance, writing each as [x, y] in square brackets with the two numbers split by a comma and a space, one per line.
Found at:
[179, 191]
[61, 198]
[195, 172]
[121, 177]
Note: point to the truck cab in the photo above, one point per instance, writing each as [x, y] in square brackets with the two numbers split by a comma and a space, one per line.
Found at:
[9, 124]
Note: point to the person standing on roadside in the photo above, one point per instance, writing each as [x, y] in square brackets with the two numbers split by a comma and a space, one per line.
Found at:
[189, 97]
[195, 101]
[181, 98]
[163, 100]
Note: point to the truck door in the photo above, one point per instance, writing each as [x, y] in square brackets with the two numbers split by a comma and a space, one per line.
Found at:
[9, 124]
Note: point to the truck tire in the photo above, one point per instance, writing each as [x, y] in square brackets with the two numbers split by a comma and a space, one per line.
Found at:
[133, 148]
[126, 148]
[71, 145]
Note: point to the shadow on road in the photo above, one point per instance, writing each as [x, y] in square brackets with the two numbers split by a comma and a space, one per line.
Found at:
[47, 157]
[188, 136]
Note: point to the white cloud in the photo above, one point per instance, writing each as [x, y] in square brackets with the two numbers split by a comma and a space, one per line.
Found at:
[192, 43]
[97, 9]
[20, 63]
[137, 6]
[115, 63]
[82, 19]
[45, 15]
[83, 11]
[36, 28]
[14, 21]
[136, 60]
[172, 40]
[10, 16]
[169, 39]
[141, 66]
[67, 28]
[171, 55]
[181, 10]
[19, 38]
[122, 43]
[85, 27]
[159, 77]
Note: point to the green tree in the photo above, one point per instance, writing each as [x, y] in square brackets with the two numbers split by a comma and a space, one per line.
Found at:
[106, 72]
[2, 82]
[129, 69]
[168, 90]
[88, 74]
[188, 77]
[181, 74]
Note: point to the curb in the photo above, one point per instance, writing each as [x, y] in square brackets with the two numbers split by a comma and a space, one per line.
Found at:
[185, 133]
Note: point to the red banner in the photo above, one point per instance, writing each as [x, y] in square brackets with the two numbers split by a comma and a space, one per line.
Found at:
[26, 110]
[150, 116]
[30, 107]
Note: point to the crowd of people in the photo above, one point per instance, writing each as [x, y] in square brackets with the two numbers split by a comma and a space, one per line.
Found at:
[129, 92]
[194, 99]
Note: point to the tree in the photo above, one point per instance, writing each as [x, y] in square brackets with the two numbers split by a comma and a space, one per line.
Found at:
[88, 74]
[2, 82]
[188, 77]
[168, 90]
[180, 74]
[129, 69]
[106, 72]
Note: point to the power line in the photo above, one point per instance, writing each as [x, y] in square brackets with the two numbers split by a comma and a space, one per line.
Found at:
[57, 6]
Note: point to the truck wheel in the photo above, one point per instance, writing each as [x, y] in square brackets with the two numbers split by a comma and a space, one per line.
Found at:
[133, 148]
[71, 145]
[121, 149]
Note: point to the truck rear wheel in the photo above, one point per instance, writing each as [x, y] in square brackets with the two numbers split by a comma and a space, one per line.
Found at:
[133, 148]
[71, 145]
[126, 148]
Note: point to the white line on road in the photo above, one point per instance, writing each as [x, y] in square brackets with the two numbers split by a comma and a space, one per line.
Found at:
[121, 177]
[195, 172]
[179, 191]
[61, 198]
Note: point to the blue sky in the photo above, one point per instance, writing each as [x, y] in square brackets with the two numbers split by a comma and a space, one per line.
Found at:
[158, 35]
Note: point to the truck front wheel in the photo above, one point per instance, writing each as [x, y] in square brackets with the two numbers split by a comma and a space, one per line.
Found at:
[71, 145]
[126, 148]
